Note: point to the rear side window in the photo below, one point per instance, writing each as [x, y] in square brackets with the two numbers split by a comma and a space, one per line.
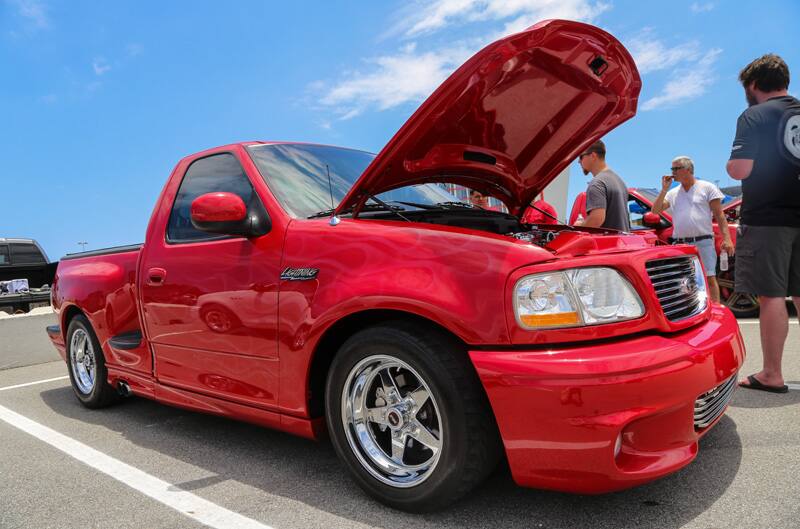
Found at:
[220, 172]
[4, 260]
[26, 254]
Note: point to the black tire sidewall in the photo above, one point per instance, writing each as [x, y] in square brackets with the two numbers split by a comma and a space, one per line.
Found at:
[445, 478]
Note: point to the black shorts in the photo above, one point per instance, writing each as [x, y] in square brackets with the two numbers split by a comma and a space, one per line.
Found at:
[768, 260]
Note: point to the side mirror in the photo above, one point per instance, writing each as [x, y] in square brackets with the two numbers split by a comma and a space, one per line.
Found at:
[227, 214]
[651, 220]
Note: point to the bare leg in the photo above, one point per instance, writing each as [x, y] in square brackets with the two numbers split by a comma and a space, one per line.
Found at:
[774, 323]
[713, 288]
[796, 301]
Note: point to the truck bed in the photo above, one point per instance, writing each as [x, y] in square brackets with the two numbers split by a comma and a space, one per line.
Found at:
[102, 285]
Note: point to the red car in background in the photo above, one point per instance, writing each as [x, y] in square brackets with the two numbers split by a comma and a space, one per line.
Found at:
[640, 203]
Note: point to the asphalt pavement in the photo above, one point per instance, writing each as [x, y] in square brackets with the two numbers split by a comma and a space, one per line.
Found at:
[63, 466]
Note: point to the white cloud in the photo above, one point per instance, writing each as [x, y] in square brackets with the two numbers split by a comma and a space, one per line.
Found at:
[705, 7]
[410, 75]
[100, 66]
[427, 17]
[394, 80]
[33, 11]
[687, 84]
[651, 54]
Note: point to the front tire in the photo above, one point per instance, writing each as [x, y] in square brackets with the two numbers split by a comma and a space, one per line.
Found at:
[407, 415]
[87, 366]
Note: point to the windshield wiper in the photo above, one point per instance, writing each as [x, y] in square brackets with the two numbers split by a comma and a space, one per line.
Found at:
[438, 205]
[457, 205]
[381, 206]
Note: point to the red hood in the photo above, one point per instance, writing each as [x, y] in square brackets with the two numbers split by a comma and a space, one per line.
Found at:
[513, 116]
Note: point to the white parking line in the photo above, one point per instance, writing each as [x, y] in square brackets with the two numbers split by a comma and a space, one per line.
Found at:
[186, 503]
[33, 383]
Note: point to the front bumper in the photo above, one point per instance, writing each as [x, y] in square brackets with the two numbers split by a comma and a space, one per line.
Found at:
[600, 417]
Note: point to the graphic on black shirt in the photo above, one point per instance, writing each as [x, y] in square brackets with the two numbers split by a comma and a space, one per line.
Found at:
[769, 134]
[789, 133]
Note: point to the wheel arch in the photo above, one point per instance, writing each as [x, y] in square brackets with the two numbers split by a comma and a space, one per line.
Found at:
[335, 336]
[67, 315]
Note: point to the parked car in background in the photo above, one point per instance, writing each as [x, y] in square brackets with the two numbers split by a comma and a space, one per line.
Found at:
[640, 204]
[24, 259]
[317, 289]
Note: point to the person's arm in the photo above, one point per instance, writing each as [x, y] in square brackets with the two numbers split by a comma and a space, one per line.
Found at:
[745, 147]
[596, 203]
[595, 218]
[722, 222]
[658, 205]
[739, 169]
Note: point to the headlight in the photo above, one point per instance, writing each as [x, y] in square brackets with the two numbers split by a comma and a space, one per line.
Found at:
[581, 296]
[700, 284]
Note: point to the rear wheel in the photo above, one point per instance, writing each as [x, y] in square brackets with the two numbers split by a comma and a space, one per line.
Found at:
[408, 417]
[87, 368]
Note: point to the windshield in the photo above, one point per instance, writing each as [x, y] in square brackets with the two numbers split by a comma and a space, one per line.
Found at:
[298, 176]
[649, 193]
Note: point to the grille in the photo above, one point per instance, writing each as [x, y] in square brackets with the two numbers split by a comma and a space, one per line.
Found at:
[711, 404]
[674, 282]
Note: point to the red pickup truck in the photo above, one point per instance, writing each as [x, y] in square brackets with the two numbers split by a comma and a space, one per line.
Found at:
[316, 289]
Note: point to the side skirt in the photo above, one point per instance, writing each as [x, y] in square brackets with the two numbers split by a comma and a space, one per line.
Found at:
[147, 387]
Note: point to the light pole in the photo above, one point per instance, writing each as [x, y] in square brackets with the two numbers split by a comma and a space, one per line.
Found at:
[83, 245]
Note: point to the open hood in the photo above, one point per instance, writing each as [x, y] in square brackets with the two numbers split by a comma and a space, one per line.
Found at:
[512, 117]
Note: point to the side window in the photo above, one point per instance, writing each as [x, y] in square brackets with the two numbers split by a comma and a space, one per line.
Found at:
[4, 260]
[26, 254]
[220, 172]
[637, 211]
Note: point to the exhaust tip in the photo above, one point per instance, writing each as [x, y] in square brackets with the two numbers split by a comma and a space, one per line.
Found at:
[124, 389]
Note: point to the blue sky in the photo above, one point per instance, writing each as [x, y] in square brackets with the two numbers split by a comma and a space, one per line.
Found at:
[99, 100]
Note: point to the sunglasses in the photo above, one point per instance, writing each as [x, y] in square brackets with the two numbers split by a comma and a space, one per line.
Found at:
[675, 169]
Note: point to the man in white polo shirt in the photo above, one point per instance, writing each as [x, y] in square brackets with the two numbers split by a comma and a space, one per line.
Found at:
[692, 203]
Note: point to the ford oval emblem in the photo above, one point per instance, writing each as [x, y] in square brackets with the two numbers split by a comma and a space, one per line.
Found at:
[686, 286]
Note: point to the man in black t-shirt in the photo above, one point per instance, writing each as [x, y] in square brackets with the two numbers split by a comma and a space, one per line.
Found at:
[766, 158]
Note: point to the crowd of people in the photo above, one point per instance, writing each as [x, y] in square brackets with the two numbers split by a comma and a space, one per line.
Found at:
[765, 157]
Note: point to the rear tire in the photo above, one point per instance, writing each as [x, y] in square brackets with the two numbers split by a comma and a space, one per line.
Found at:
[87, 366]
[409, 418]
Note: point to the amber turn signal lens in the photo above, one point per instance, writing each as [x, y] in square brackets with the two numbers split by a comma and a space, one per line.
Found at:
[550, 320]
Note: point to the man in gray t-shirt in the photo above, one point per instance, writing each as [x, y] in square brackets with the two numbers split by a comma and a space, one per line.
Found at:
[607, 194]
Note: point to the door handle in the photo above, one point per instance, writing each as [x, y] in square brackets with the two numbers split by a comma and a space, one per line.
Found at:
[156, 276]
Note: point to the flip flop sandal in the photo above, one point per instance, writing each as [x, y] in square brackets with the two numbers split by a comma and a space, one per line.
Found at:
[754, 383]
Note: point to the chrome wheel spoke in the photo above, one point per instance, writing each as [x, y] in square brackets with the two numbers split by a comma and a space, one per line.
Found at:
[419, 396]
[398, 448]
[389, 385]
[421, 434]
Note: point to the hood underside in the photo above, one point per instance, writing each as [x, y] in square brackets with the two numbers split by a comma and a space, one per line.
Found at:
[512, 117]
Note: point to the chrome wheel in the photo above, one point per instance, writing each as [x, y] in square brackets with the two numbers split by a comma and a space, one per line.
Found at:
[82, 361]
[392, 421]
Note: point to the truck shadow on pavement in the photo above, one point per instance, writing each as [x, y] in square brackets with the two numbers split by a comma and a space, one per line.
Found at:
[309, 472]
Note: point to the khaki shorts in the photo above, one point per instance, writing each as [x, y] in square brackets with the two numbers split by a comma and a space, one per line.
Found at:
[768, 261]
